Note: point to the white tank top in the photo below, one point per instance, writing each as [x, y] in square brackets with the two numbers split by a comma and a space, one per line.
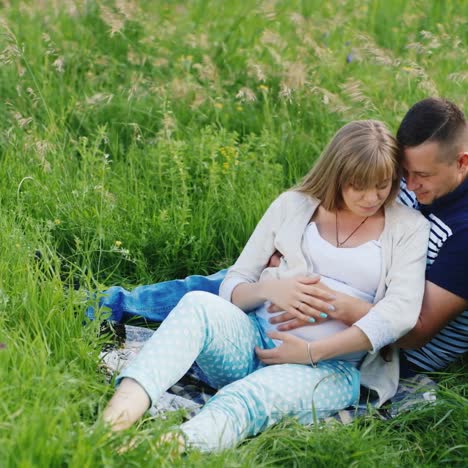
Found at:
[354, 271]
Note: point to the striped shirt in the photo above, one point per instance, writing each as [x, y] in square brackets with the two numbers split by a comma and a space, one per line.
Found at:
[447, 266]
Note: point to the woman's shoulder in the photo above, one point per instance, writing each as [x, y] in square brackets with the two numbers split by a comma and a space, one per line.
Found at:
[406, 215]
[290, 205]
[295, 198]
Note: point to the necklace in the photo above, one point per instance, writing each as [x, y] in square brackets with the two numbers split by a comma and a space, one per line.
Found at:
[338, 243]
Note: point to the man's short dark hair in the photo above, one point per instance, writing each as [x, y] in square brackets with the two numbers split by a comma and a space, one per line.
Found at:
[431, 120]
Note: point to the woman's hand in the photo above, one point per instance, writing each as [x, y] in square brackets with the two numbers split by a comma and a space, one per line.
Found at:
[293, 350]
[300, 297]
[345, 308]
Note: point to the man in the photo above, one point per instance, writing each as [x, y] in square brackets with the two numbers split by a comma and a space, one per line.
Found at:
[434, 138]
[434, 135]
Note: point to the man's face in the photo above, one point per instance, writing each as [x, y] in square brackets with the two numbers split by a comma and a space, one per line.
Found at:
[427, 174]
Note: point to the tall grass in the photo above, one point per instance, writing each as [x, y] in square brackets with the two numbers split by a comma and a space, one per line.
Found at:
[141, 141]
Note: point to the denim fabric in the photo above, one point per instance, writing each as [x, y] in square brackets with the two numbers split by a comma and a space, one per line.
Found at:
[153, 302]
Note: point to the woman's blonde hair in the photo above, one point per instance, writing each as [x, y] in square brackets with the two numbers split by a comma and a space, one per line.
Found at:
[363, 154]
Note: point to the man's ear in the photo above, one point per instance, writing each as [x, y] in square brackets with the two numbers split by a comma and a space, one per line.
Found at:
[462, 160]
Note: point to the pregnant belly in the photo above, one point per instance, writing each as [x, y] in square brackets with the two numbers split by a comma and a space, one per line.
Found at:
[312, 333]
[307, 332]
[322, 330]
[319, 331]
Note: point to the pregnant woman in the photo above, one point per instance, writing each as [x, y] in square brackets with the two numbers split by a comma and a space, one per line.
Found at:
[342, 223]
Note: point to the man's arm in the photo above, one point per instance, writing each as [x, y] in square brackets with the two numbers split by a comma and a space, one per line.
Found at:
[438, 308]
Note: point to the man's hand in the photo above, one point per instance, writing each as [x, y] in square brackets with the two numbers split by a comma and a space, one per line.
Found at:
[293, 350]
[275, 260]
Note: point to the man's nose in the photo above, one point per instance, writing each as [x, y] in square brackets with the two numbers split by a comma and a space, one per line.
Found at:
[411, 182]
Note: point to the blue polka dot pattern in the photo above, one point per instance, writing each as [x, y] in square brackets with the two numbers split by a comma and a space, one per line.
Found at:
[221, 338]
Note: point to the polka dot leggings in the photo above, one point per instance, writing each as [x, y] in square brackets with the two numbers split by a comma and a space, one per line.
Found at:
[221, 338]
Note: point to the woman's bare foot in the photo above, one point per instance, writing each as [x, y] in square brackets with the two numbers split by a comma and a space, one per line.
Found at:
[133, 443]
[175, 439]
[127, 405]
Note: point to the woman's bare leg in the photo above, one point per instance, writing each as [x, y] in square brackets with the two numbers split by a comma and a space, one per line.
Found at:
[127, 405]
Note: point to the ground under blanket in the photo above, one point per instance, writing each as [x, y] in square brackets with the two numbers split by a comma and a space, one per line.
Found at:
[191, 393]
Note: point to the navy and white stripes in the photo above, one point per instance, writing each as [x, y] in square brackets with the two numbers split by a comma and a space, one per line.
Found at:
[440, 232]
[452, 341]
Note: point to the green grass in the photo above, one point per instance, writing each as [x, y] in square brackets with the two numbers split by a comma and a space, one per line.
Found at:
[141, 141]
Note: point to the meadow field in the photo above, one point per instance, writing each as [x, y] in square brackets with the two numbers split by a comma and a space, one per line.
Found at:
[141, 141]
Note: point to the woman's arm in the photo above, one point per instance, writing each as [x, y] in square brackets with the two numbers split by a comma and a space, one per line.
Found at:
[241, 285]
[290, 294]
[397, 313]
[295, 350]
[257, 252]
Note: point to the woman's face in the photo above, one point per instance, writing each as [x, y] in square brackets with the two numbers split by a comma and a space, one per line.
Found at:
[366, 202]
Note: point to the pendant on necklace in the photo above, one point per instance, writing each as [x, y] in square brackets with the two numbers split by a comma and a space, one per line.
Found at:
[338, 243]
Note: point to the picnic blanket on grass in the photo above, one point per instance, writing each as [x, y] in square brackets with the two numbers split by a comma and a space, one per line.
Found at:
[192, 392]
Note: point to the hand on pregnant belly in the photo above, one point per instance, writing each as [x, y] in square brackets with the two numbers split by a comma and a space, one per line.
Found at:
[292, 350]
[300, 297]
[346, 308]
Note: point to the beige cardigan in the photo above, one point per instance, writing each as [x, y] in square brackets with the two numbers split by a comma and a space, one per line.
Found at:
[399, 294]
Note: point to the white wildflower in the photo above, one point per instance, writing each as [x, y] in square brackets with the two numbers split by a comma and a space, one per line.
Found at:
[198, 100]
[12, 50]
[353, 90]
[246, 95]
[134, 58]
[295, 76]
[272, 38]
[169, 124]
[40, 149]
[34, 97]
[4, 299]
[255, 70]
[180, 88]
[297, 18]
[51, 50]
[198, 41]
[207, 71]
[22, 121]
[459, 77]
[114, 21]
[285, 92]
[59, 64]
[99, 98]
[380, 56]
[160, 62]
[9, 54]
[276, 56]
[127, 8]
[267, 7]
